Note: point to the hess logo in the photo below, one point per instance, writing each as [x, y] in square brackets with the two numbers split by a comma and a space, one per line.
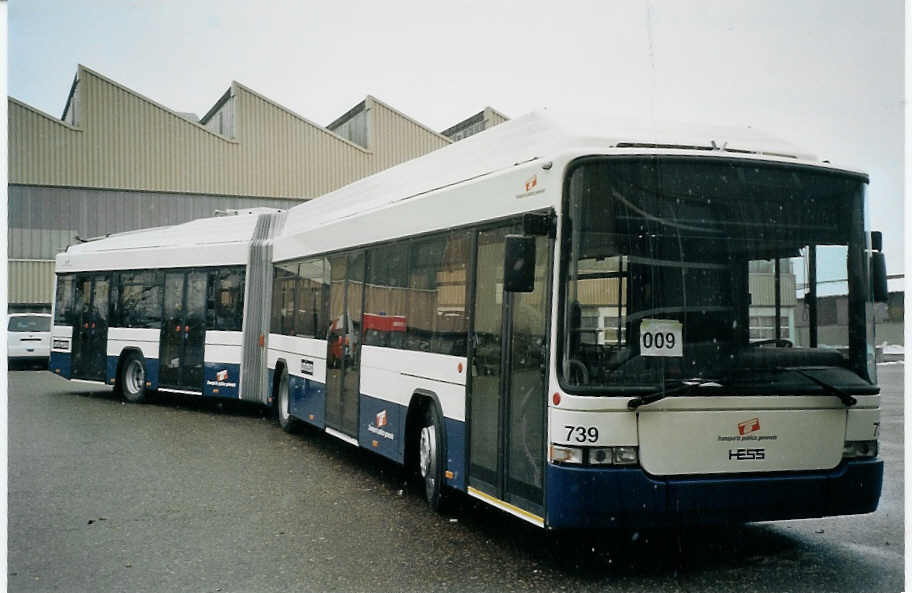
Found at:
[221, 375]
[380, 420]
[748, 426]
[531, 182]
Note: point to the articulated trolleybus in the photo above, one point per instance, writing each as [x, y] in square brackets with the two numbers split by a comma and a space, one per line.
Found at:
[634, 328]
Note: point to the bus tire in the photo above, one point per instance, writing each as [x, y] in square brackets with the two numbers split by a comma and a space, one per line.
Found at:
[282, 403]
[431, 457]
[131, 379]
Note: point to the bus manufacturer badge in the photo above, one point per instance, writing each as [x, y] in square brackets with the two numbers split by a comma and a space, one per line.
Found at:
[222, 375]
[531, 182]
[748, 426]
[307, 367]
[661, 337]
[381, 419]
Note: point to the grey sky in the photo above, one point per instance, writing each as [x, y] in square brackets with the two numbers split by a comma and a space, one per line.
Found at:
[825, 75]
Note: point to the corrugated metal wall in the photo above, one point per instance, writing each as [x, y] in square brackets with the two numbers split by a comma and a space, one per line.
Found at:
[31, 281]
[44, 220]
[131, 163]
[396, 138]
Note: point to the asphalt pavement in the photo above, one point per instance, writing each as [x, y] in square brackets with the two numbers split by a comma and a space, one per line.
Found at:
[187, 495]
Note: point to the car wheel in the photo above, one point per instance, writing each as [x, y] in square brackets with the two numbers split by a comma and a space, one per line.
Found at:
[132, 378]
[431, 457]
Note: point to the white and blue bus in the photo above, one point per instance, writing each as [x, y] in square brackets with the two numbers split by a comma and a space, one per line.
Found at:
[582, 328]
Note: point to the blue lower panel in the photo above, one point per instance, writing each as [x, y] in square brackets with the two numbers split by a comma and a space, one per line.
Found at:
[455, 431]
[382, 427]
[61, 363]
[221, 379]
[111, 370]
[307, 400]
[593, 498]
[151, 373]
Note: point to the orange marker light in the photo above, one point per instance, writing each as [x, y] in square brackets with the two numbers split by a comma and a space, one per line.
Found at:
[556, 398]
[449, 475]
[459, 367]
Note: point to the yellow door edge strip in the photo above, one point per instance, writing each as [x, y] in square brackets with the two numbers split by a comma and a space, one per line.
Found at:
[506, 506]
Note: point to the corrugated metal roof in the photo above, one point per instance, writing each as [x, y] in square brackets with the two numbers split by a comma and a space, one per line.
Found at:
[124, 140]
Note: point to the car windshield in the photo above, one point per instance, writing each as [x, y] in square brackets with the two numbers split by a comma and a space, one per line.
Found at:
[29, 323]
[746, 274]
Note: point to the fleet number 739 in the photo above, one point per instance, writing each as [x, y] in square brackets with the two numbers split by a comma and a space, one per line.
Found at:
[582, 434]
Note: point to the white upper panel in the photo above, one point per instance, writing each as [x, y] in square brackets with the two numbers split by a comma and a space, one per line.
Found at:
[542, 136]
[220, 240]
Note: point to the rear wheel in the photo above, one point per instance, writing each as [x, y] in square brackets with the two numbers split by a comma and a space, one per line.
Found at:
[431, 457]
[132, 378]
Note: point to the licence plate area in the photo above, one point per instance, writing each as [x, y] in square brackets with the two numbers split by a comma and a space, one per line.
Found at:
[717, 442]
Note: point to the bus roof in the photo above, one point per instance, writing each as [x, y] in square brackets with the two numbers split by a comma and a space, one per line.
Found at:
[538, 135]
[218, 240]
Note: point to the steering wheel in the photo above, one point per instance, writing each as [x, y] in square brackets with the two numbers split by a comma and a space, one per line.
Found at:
[777, 341]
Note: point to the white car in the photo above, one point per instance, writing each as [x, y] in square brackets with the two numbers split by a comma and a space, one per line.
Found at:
[29, 337]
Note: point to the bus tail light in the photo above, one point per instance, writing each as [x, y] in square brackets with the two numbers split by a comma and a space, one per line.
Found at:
[859, 449]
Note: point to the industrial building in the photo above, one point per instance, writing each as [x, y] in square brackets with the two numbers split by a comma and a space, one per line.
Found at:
[116, 161]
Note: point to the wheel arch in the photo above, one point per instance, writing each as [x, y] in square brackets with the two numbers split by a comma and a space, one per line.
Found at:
[124, 353]
[421, 399]
[280, 368]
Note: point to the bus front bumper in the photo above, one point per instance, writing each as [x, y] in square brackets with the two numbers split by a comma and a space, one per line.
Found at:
[630, 498]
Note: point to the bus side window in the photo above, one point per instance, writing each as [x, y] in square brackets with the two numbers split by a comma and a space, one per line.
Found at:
[283, 298]
[385, 317]
[310, 314]
[227, 305]
[63, 307]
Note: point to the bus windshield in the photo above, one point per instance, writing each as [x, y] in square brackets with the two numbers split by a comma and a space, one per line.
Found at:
[745, 275]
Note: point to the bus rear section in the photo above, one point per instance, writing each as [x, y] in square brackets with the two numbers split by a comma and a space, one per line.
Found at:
[715, 345]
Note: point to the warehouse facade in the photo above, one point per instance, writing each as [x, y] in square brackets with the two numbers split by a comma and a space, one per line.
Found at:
[117, 161]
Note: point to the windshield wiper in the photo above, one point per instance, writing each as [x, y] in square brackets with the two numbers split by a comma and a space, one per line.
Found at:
[844, 397]
[680, 386]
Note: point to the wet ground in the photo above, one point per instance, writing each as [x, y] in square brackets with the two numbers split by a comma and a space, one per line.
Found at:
[187, 495]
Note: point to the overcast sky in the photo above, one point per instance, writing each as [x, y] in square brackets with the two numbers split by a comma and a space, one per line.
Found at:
[825, 75]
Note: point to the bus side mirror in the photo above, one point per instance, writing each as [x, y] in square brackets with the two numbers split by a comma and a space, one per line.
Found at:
[878, 268]
[519, 263]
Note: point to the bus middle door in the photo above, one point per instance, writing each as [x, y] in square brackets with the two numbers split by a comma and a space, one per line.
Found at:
[183, 333]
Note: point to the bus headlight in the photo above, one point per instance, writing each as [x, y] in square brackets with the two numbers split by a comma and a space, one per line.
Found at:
[859, 449]
[625, 455]
[565, 454]
[613, 456]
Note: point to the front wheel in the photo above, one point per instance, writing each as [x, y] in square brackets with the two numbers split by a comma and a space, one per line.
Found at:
[431, 457]
[132, 378]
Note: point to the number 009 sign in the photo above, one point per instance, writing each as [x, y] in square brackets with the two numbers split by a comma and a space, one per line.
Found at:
[661, 337]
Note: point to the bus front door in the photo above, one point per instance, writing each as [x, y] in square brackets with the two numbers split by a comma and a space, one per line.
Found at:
[508, 390]
[183, 333]
[343, 342]
[90, 333]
